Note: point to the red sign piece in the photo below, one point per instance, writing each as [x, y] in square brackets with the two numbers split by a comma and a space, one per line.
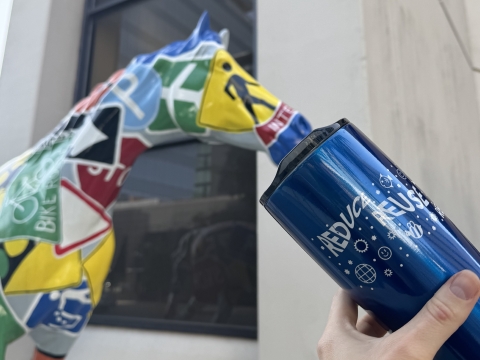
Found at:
[269, 131]
[94, 222]
[96, 94]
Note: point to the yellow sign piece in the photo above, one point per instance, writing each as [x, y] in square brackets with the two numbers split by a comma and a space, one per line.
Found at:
[233, 100]
[97, 265]
[42, 271]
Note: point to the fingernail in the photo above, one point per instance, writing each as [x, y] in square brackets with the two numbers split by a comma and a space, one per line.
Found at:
[463, 286]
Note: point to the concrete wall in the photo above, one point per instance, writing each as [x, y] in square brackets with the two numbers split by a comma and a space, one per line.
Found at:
[423, 101]
[311, 55]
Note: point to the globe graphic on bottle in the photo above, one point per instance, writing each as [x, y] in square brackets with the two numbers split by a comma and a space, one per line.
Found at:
[365, 273]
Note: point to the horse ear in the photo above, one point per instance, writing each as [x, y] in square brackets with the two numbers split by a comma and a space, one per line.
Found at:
[203, 24]
[225, 36]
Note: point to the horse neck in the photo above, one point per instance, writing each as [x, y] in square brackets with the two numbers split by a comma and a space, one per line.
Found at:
[103, 183]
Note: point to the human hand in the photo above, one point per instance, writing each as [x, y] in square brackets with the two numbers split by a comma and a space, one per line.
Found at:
[345, 338]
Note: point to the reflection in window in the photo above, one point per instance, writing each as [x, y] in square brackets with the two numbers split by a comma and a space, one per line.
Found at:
[204, 171]
[186, 237]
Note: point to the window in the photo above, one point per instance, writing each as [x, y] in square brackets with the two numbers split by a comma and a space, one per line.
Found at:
[185, 221]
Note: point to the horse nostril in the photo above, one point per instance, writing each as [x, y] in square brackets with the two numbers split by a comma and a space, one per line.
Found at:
[227, 66]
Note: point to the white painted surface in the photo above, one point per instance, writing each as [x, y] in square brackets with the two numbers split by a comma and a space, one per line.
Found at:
[59, 67]
[21, 73]
[101, 343]
[5, 11]
[311, 55]
[39, 70]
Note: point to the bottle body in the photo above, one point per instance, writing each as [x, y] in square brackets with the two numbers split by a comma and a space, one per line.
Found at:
[373, 231]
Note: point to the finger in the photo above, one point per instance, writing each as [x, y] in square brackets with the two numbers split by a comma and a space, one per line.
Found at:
[441, 316]
[369, 326]
[344, 311]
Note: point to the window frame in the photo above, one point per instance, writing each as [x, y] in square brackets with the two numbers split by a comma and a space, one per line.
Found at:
[91, 13]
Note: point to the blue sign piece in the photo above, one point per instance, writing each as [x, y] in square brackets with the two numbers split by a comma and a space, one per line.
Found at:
[64, 310]
[290, 136]
[140, 110]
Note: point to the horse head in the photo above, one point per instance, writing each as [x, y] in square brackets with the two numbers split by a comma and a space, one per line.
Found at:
[196, 88]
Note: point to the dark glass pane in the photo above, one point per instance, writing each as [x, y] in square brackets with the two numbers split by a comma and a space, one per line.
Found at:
[186, 244]
[185, 221]
[103, 2]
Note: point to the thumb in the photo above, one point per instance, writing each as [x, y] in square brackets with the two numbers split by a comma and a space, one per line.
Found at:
[441, 316]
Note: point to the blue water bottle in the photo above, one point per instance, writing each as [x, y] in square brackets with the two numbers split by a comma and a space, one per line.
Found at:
[371, 229]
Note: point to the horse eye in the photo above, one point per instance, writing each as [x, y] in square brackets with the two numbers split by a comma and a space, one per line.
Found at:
[227, 66]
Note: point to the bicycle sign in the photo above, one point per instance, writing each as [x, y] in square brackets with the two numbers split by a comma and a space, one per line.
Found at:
[31, 205]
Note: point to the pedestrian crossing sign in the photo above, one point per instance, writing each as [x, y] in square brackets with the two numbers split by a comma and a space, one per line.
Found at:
[233, 100]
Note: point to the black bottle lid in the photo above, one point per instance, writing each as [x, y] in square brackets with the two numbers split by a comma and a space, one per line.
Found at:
[299, 153]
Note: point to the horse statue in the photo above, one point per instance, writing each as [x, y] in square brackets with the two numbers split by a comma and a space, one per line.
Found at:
[56, 200]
